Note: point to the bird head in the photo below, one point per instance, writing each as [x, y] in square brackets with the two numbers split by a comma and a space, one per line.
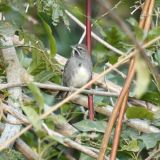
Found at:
[79, 50]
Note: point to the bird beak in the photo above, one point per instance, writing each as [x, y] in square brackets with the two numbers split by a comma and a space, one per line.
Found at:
[75, 49]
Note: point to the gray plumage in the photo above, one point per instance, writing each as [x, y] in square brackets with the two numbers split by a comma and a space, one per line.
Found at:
[77, 70]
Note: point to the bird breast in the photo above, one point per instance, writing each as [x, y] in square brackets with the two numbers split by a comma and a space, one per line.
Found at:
[81, 77]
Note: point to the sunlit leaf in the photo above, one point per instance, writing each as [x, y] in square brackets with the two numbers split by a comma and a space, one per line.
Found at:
[152, 96]
[37, 94]
[139, 112]
[44, 76]
[153, 33]
[143, 76]
[11, 154]
[32, 116]
[98, 100]
[50, 36]
[88, 125]
[131, 146]
[37, 64]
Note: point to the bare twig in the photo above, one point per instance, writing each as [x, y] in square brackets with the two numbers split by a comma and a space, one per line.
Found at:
[94, 35]
[70, 143]
[56, 87]
[150, 157]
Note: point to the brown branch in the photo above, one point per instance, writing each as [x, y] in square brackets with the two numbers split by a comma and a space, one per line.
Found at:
[56, 87]
[120, 99]
[121, 114]
[144, 14]
[118, 129]
[149, 16]
[114, 114]
[150, 157]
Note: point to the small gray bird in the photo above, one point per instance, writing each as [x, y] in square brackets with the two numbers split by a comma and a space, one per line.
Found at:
[77, 70]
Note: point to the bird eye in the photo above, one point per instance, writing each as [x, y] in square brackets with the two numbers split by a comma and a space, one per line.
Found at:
[80, 48]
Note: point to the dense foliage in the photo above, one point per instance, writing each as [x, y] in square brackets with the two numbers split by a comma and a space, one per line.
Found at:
[46, 29]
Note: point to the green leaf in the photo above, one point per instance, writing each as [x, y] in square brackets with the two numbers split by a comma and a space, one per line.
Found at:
[131, 146]
[114, 36]
[150, 139]
[153, 33]
[50, 36]
[85, 157]
[88, 125]
[139, 33]
[32, 116]
[153, 97]
[37, 63]
[143, 76]
[98, 101]
[157, 57]
[37, 94]
[44, 76]
[11, 154]
[139, 112]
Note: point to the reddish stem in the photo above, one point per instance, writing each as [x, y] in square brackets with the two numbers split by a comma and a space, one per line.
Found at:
[88, 44]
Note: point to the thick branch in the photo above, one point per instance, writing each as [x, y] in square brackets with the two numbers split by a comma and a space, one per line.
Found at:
[13, 72]
[23, 147]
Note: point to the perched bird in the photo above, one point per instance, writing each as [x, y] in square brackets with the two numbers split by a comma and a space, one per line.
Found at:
[77, 70]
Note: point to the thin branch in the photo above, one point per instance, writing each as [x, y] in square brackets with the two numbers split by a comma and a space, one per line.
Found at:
[56, 87]
[70, 143]
[94, 35]
[118, 129]
[150, 157]
[114, 114]
[121, 113]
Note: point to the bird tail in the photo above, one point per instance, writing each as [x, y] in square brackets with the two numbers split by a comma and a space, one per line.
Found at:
[61, 95]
